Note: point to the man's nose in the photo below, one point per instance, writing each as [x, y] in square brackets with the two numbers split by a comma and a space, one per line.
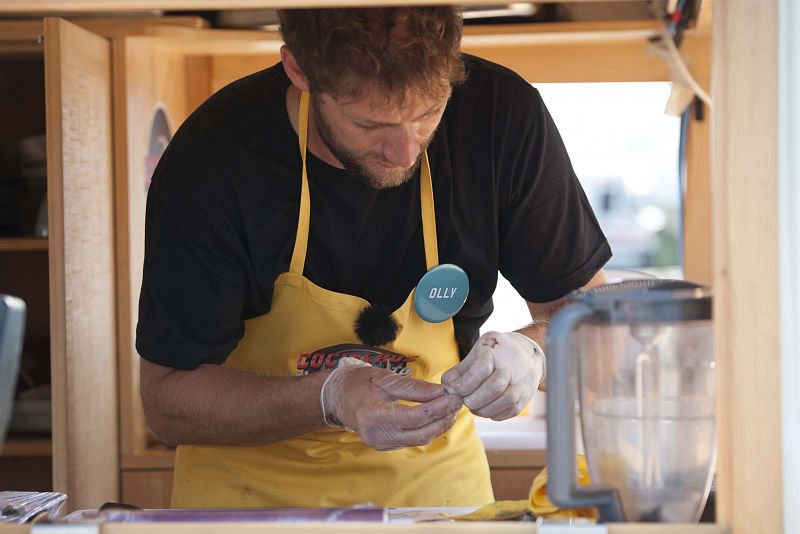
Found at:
[402, 148]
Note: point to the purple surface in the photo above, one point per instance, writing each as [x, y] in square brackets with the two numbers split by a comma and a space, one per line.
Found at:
[292, 515]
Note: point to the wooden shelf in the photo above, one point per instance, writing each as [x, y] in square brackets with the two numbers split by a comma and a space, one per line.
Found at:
[23, 244]
[516, 459]
[27, 447]
[156, 457]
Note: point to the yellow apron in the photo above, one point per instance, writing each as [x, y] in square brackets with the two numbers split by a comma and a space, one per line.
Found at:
[332, 467]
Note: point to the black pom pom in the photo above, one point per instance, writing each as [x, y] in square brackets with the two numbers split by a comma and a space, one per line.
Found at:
[375, 325]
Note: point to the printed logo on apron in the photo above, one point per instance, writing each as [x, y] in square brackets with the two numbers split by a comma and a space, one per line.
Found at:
[328, 358]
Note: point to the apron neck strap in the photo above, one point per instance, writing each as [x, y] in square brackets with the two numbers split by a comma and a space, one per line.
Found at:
[301, 238]
[428, 214]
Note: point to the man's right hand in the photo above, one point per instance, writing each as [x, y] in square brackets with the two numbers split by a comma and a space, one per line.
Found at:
[366, 401]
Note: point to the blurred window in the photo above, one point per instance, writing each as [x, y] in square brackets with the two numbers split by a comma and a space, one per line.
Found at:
[625, 152]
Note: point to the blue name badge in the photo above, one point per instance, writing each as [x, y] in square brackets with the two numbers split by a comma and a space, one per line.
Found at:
[441, 293]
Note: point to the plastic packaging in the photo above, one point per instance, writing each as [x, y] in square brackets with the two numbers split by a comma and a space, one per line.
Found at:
[22, 506]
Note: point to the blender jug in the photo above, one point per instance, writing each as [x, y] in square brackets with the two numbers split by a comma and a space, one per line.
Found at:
[638, 356]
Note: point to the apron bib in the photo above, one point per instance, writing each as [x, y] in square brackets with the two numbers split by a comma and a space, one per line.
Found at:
[332, 467]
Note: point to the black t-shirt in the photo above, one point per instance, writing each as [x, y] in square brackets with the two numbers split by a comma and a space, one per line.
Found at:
[223, 205]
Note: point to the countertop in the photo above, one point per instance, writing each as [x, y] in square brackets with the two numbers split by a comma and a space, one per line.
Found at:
[358, 528]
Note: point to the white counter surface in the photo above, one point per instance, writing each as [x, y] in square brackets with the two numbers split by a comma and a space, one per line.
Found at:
[519, 433]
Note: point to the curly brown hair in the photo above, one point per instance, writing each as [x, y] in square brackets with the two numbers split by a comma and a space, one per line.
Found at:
[399, 51]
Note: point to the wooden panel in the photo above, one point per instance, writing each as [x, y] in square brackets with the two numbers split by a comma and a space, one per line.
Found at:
[513, 472]
[570, 31]
[146, 76]
[746, 255]
[512, 484]
[198, 80]
[82, 305]
[580, 52]
[29, 30]
[27, 447]
[575, 62]
[697, 223]
[175, 74]
[156, 457]
[147, 489]
[513, 459]
[20, 244]
[225, 69]
[561, 52]
[147, 476]
[153, 488]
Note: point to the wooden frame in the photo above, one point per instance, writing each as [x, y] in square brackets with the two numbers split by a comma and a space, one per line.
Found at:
[82, 296]
[747, 282]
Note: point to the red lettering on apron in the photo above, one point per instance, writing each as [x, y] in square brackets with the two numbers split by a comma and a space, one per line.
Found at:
[317, 359]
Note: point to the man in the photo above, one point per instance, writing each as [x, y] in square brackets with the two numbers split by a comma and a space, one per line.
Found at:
[299, 195]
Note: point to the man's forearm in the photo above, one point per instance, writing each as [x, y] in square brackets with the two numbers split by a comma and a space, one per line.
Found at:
[543, 312]
[537, 332]
[216, 405]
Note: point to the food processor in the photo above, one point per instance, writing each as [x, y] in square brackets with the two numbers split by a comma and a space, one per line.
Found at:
[634, 361]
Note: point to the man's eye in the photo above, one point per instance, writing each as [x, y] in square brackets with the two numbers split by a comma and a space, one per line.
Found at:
[368, 127]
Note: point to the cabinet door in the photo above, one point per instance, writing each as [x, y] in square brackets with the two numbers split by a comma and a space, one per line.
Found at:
[158, 81]
[82, 292]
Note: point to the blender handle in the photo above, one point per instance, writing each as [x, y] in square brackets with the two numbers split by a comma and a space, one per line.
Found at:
[562, 487]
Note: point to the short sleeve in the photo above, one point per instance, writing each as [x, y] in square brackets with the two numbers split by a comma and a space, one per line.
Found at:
[550, 240]
[195, 278]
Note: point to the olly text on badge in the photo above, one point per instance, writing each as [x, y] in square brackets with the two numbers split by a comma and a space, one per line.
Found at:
[442, 292]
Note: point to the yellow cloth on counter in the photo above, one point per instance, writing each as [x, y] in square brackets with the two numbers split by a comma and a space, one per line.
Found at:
[538, 502]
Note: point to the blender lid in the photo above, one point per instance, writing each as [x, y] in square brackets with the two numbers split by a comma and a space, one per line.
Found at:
[650, 300]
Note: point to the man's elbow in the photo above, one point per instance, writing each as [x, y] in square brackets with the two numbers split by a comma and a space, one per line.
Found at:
[155, 390]
[162, 427]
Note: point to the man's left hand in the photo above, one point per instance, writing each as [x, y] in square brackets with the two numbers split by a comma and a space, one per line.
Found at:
[499, 376]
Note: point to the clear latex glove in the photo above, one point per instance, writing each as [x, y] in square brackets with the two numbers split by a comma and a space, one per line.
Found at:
[364, 400]
[499, 375]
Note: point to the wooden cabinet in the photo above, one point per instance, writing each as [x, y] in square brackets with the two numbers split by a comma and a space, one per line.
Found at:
[167, 76]
[71, 283]
[23, 257]
[94, 87]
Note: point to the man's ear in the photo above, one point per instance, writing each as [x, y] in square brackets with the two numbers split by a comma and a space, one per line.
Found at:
[293, 70]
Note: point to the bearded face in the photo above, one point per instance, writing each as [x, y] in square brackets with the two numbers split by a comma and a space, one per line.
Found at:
[379, 142]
